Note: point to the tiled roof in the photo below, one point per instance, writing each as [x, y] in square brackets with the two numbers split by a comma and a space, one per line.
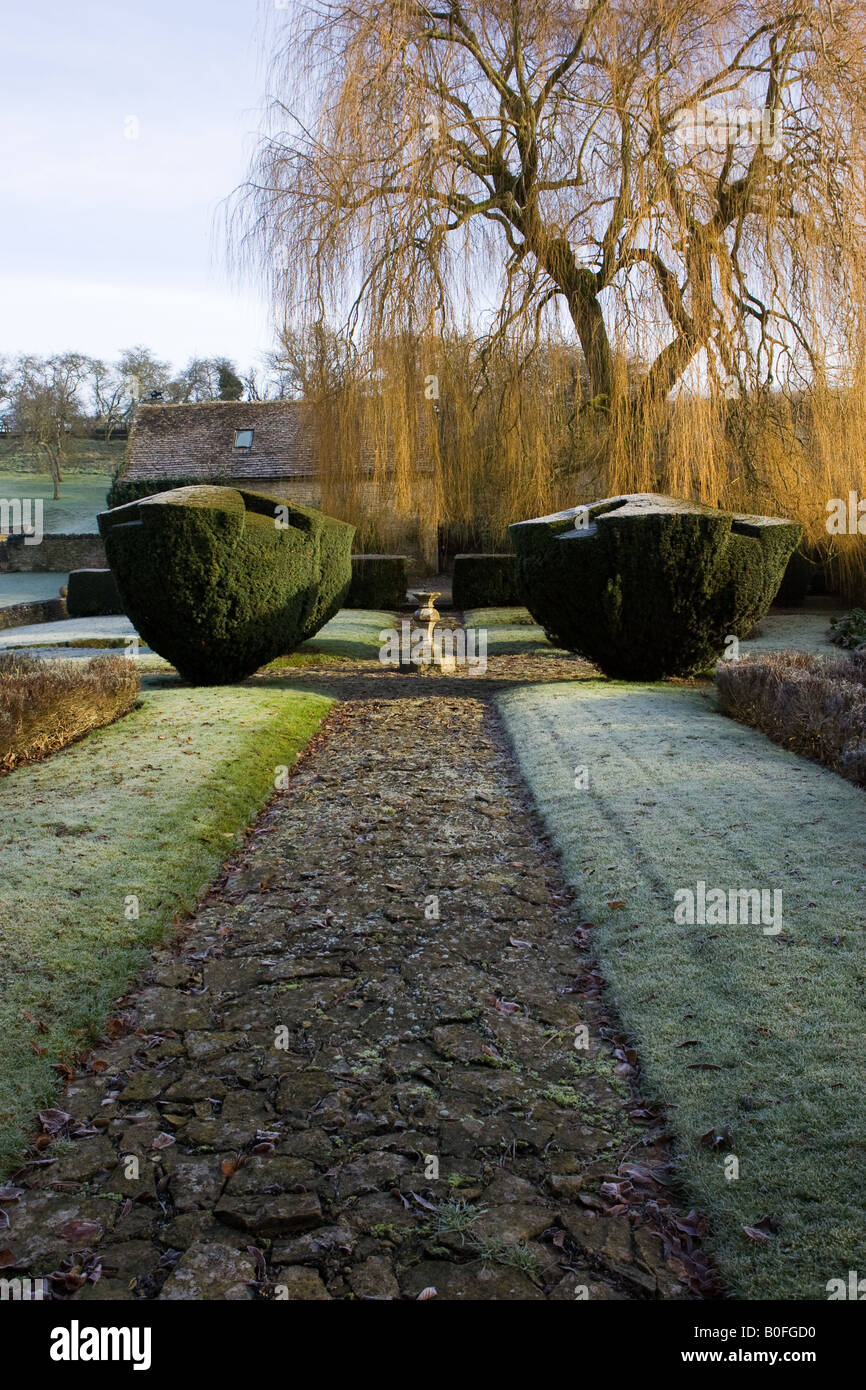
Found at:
[197, 441]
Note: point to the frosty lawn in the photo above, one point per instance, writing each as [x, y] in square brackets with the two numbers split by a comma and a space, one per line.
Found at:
[353, 632]
[510, 631]
[755, 1035]
[82, 495]
[148, 807]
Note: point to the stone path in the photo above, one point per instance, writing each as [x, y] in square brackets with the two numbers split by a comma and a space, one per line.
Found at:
[362, 1071]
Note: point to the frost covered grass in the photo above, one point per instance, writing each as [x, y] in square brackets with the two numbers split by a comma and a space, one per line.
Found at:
[750, 1036]
[354, 632]
[805, 629]
[145, 810]
[511, 631]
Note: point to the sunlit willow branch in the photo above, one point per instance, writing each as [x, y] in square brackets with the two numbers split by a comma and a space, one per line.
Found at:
[673, 187]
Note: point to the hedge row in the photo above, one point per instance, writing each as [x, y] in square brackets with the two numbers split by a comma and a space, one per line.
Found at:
[815, 706]
[123, 490]
[92, 593]
[45, 705]
[486, 581]
[378, 581]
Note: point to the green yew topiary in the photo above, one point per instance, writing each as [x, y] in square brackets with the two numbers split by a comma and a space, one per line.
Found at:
[486, 581]
[92, 593]
[220, 581]
[123, 490]
[648, 586]
[378, 581]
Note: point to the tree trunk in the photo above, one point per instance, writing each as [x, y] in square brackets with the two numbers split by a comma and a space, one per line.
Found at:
[591, 328]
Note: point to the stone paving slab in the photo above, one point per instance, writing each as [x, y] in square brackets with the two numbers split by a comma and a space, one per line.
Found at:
[362, 1072]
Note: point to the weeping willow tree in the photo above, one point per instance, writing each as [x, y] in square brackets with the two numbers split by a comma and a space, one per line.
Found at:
[474, 189]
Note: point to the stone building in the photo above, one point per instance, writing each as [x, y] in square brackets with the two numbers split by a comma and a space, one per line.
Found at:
[267, 446]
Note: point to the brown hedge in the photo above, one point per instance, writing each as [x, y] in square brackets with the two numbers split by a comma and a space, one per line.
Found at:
[46, 704]
[815, 706]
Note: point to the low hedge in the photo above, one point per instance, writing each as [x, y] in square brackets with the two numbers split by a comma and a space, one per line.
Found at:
[378, 581]
[649, 587]
[47, 704]
[815, 706]
[125, 490]
[220, 581]
[486, 581]
[92, 594]
[802, 571]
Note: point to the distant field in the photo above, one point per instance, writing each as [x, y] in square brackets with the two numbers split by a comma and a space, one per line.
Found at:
[82, 495]
[85, 456]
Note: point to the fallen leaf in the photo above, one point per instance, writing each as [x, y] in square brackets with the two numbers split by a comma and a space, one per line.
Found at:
[754, 1234]
[52, 1121]
[80, 1231]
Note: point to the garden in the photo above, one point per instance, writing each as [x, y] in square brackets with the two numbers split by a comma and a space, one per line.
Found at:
[433, 755]
[328, 975]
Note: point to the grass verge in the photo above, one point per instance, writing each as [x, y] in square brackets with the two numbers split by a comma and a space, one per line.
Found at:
[46, 705]
[753, 1041]
[148, 807]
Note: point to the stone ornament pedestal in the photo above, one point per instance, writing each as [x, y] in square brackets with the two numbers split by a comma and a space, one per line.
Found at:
[426, 616]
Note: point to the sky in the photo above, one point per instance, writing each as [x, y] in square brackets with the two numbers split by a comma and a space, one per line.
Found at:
[123, 129]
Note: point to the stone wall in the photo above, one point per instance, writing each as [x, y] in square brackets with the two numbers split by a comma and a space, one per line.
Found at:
[54, 554]
[47, 610]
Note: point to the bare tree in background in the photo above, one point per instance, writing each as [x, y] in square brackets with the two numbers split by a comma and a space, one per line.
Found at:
[684, 178]
[47, 405]
[111, 396]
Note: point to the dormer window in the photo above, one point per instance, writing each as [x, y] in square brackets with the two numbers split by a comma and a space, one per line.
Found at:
[244, 440]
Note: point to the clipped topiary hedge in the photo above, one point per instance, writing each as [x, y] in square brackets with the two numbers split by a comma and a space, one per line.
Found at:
[378, 581]
[124, 490]
[486, 581]
[801, 573]
[92, 593]
[220, 581]
[648, 586]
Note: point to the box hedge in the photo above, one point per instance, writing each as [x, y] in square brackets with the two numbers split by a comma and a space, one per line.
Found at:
[648, 586]
[92, 593]
[486, 581]
[378, 581]
[803, 570]
[126, 490]
[220, 581]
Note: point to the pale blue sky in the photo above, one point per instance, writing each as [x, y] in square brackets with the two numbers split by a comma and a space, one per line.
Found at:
[106, 240]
